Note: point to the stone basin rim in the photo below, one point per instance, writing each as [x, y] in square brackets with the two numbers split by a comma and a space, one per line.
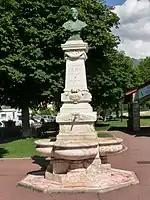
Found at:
[75, 144]
[44, 142]
[73, 154]
[82, 143]
[110, 141]
[46, 151]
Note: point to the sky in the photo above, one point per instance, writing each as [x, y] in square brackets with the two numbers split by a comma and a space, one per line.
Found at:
[134, 28]
[114, 2]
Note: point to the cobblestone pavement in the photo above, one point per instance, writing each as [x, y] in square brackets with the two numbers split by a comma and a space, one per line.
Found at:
[136, 158]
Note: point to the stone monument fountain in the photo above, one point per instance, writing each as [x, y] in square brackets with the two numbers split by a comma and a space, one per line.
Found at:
[75, 156]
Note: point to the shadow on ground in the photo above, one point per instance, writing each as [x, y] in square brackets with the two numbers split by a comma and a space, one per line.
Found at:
[2, 141]
[42, 162]
[3, 152]
[101, 125]
[144, 131]
[37, 173]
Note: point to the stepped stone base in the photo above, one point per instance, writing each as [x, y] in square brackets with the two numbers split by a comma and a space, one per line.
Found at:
[94, 182]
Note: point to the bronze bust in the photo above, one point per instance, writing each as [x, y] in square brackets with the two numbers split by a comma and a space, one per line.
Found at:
[74, 25]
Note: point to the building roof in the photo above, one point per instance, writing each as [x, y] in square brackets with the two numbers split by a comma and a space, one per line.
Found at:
[136, 89]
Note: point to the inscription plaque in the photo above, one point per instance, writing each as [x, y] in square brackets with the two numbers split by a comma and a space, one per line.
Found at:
[75, 75]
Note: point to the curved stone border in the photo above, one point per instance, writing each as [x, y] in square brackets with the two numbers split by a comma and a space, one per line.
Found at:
[125, 148]
[115, 153]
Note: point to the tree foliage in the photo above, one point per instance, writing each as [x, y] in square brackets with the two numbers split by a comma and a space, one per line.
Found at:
[143, 70]
[31, 59]
[112, 79]
[143, 74]
[32, 62]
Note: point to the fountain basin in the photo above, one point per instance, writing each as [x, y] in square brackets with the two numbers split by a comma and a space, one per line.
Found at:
[75, 154]
[45, 147]
[71, 150]
[44, 143]
[110, 145]
[47, 151]
[110, 140]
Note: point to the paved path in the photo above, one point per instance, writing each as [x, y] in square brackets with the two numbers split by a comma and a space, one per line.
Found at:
[136, 158]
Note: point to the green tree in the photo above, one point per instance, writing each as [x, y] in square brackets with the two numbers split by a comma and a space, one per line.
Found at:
[111, 80]
[143, 70]
[31, 59]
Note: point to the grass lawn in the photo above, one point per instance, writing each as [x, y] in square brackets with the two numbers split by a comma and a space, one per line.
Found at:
[145, 121]
[18, 148]
[103, 134]
[104, 126]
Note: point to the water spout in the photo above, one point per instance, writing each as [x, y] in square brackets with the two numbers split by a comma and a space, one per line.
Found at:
[74, 119]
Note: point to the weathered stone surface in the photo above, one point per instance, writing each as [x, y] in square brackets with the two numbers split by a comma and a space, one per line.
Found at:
[47, 151]
[76, 117]
[75, 55]
[73, 183]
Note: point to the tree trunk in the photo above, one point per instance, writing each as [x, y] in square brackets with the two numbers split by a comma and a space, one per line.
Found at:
[117, 111]
[104, 115]
[121, 112]
[98, 111]
[26, 131]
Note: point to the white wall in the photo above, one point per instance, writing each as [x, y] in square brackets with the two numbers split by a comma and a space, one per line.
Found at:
[9, 114]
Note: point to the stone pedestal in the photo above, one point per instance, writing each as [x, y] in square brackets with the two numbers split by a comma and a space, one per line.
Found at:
[76, 117]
